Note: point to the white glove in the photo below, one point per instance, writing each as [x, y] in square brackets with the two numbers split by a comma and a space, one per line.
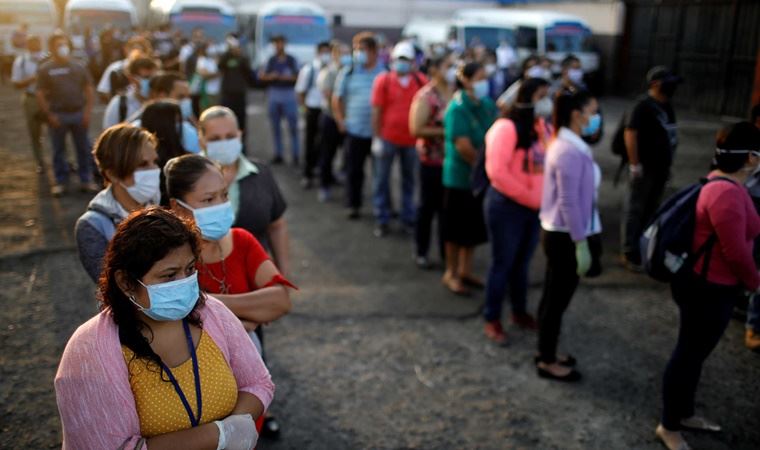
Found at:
[377, 147]
[237, 432]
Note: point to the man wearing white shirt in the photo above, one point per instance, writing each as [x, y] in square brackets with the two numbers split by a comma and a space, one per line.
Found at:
[310, 100]
[134, 48]
[24, 77]
[121, 107]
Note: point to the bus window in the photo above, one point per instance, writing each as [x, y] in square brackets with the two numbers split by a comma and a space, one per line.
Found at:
[98, 18]
[215, 25]
[527, 38]
[489, 37]
[296, 29]
[568, 37]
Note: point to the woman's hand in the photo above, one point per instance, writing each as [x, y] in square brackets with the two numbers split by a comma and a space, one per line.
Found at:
[237, 432]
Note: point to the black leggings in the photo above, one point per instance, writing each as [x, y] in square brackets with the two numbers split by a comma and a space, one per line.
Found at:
[706, 310]
[559, 287]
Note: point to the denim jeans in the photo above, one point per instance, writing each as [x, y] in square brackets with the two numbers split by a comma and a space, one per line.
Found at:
[513, 231]
[71, 123]
[282, 103]
[706, 310]
[753, 313]
[644, 197]
[381, 197]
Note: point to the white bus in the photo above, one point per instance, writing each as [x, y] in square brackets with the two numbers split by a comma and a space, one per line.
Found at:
[215, 17]
[39, 15]
[96, 14]
[303, 24]
[427, 32]
[552, 34]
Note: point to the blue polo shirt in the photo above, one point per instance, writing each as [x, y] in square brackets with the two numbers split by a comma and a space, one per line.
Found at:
[355, 90]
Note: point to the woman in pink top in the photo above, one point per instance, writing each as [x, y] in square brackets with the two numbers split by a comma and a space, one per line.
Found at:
[727, 222]
[110, 383]
[515, 149]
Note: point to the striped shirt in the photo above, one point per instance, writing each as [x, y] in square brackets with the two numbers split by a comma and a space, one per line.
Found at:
[355, 90]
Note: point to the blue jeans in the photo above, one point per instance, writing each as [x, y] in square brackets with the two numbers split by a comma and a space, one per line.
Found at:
[753, 313]
[282, 103]
[381, 197]
[71, 123]
[513, 231]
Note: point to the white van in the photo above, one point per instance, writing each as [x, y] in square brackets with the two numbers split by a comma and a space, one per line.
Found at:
[548, 33]
[97, 14]
[215, 17]
[427, 32]
[303, 24]
[40, 15]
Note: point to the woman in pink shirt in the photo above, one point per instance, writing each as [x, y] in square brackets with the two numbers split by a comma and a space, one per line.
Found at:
[515, 149]
[162, 366]
[727, 225]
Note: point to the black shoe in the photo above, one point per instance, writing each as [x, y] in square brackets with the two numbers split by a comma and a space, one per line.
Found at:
[567, 362]
[354, 214]
[572, 377]
[271, 428]
[277, 160]
[382, 231]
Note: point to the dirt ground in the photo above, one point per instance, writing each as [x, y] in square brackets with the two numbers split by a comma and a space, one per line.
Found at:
[376, 354]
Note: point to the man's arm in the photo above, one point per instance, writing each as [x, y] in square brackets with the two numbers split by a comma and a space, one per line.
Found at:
[89, 94]
[632, 149]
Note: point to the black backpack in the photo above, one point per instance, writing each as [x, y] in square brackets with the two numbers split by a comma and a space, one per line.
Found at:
[119, 81]
[666, 245]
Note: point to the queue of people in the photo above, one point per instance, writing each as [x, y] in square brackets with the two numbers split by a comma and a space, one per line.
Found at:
[510, 169]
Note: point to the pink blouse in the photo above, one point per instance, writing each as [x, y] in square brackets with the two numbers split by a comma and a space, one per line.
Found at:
[92, 389]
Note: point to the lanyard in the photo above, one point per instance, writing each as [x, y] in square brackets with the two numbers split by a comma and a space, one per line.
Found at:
[194, 421]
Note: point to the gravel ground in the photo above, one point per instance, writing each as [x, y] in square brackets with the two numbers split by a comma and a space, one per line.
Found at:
[376, 354]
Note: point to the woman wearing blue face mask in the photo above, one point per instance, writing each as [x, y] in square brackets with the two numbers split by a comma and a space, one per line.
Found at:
[570, 222]
[162, 366]
[233, 265]
[127, 159]
[467, 119]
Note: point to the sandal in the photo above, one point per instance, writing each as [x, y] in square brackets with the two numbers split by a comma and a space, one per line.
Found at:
[473, 282]
[454, 285]
[567, 361]
[661, 435]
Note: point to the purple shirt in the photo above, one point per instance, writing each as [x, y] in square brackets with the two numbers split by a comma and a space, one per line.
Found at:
[569, 194]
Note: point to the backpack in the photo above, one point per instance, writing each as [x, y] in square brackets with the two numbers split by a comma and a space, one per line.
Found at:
[618, 148]
[666, 245]
[119, 81]
[101, 222]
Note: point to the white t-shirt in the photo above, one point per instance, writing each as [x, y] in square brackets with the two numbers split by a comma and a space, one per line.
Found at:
[25, 66]
[309, 74]
[206, 64]
[111, 115]
[104, 85]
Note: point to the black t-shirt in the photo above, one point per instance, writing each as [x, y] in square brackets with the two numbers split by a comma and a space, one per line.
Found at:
[286, 66]
[657, 138]
[261, 203]
[64, 85]
[236, 73]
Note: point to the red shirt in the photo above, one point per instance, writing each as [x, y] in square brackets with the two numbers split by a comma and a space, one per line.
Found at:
[726, 209]
[238, 270]
[395, 100]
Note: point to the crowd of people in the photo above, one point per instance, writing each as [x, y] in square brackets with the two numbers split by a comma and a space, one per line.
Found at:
[187, 242]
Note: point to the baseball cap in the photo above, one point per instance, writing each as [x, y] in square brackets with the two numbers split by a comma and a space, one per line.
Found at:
[662, 73]
[403, 49]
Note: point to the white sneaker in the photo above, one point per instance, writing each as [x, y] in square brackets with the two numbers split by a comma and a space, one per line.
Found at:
[323, 195]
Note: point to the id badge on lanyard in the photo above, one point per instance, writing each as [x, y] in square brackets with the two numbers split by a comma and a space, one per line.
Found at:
[194, 421]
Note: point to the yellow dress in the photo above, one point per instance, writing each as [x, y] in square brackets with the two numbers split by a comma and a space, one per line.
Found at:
[159, 407]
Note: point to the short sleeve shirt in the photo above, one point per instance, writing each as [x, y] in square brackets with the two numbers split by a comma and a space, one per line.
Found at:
[104, 86]
[307, 84]
[238, 270]
[464, 118]
[25, 66]
[354, 87]
[394, 95]
[326, 85]
[656, 133]
[64, 85]
[285, 67]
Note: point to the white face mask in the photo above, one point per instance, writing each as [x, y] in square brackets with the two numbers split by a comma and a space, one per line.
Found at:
[575, 75]
[63, 51]
[147, 186]
[224, 152]
[544, 108]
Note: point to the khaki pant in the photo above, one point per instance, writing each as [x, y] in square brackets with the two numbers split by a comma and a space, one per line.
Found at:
[34, 124]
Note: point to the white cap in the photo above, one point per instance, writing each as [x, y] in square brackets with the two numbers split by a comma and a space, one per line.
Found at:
[403, 49]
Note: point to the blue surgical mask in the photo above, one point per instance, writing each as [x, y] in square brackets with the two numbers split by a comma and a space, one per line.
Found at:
[186, 106]
[594, 122]
[144, 87]
[360, 57]
[402, 67]
[214, 221]
[224, 152]
[481, 89]
[346, 60]
[171, 301]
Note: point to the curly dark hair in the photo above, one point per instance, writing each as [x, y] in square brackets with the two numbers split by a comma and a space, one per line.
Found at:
[143, 239]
